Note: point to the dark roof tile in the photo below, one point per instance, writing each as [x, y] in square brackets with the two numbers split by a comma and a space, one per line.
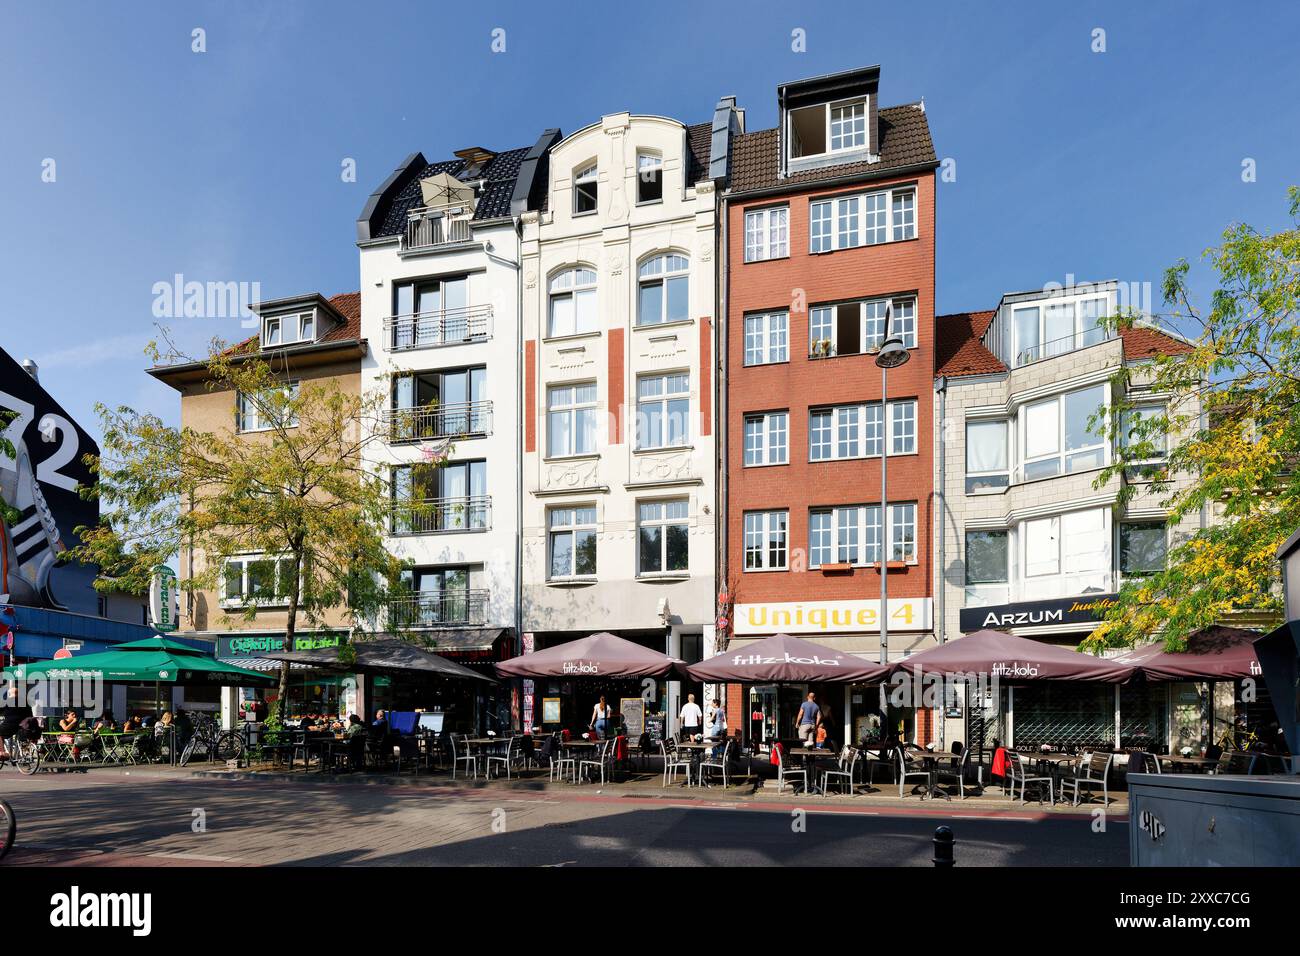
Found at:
[499, 174]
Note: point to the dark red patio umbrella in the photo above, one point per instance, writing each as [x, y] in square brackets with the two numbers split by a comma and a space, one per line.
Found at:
[1013, 659]
[1213, 653]
[785, 659]
[600, 655]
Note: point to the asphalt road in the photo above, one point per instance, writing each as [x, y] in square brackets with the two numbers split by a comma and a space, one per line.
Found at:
[118, 818]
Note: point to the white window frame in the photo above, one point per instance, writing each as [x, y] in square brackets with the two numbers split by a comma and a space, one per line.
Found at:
[589, 173]
[871, 315]
[249, 414]
[663, 521]
[1146, 409]
[767, 540]
[1061, 456]
[767, 338]
[773, 432]
[243, 599]
[988, 481]
[660, 270]
[860, 523]
[664, 399]
[290, 328]
[1080, 336]
[575, 525]
[573, 410]
[859, 426]
[828, 128]
[654, 165]
[569, 284]
[1119, 548]
[767, 233]
[850, 221]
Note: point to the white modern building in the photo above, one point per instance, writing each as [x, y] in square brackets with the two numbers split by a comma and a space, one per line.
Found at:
[440, 308]
[619, 357]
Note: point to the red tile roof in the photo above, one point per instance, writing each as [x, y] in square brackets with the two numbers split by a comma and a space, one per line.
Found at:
[958, 350]
[348, 305]
[1142, 341]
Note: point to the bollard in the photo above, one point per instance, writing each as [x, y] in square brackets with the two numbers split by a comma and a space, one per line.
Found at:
[943, 844]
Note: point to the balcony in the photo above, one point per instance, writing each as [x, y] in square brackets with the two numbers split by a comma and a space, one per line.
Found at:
[455, 420]
[434, 609]
[431, 330]
[427, 230]
[1061, 346]
[436, 515]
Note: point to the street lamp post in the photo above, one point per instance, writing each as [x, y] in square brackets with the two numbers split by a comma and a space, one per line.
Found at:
[892, 354]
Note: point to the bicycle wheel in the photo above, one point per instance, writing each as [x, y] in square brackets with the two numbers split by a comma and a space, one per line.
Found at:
[8, 828]
[189, 750]
[230, 746]
[27, 757]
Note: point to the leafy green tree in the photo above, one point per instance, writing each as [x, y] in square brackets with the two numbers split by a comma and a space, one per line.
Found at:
[298, 491]
[1230, 440]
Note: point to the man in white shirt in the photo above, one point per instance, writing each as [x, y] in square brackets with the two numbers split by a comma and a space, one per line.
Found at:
[691, 717]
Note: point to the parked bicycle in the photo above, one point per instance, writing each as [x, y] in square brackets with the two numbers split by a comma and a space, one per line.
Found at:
[23, 754]
[216, 743]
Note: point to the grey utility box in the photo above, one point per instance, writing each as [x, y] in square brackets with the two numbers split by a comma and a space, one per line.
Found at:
[1216, 820]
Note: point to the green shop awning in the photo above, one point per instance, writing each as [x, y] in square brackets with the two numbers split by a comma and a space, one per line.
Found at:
[152, 659]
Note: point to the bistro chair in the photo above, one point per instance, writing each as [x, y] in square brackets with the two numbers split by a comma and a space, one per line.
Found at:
[847, 772]
[1143, 762]
[461, 754]
[512, 756]
[1234, 762]
[673, 761]
[1095, 773]
[562, 762]
[782, 772]
[718, 763]
[604, 751]
[1016, 775]
[955, 772]
[905, 772]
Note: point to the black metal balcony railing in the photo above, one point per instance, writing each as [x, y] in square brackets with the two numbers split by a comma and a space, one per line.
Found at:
[439, 421]
[431, 515]
[452, 608]
[439, 327]
[428, 230]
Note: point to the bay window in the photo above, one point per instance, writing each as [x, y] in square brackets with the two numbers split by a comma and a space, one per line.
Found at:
[1056, 438]
[765, 439]
[767, 233]
[986, 456]
[767, 338]
[863, 219]
[765, 540]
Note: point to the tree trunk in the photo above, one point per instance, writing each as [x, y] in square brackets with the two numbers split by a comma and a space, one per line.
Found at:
[290, 627]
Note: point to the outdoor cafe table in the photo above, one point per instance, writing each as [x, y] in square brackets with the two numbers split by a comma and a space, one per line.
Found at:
[119, 745]
[695, 750]
[808, 757]
[1054, 763]
[1190, 764]
[931, 759]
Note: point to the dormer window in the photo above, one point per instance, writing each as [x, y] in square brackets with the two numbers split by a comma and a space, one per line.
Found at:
[585, 189]
[288, 329]
[828, 128]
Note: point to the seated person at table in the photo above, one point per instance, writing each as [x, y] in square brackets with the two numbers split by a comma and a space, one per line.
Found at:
[307, 724]
[355, 727]
[67, 724]
[379, 729]
[164, 725]
[105, 723]
[130, 725]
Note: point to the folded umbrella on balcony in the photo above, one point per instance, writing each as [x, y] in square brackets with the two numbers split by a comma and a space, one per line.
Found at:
[600, 655]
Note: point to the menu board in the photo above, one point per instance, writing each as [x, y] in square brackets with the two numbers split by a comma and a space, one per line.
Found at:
[633, 711]
[550, 710]
[654, 726]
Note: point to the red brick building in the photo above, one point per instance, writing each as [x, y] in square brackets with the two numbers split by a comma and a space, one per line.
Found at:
[829, 235]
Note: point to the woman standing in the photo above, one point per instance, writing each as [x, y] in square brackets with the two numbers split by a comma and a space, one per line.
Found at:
[600, 715]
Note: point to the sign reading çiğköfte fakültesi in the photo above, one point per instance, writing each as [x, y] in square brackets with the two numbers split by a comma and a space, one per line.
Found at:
[1083, 609]
[831, 617]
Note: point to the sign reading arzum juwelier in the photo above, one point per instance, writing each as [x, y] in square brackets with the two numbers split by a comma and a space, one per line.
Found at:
[1085, 609]
[831, 617]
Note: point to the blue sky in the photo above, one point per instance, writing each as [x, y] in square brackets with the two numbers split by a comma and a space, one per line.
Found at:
[225, 165]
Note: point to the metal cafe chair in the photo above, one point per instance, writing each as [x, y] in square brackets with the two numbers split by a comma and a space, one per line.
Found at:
[511, 756]
[1017, 775]
[718, 763]
[846, 773]
[904, 774]
[461, 754]
[782, 772]
[603, 754]
[673, 762]
[1095, 773]
[955, 774]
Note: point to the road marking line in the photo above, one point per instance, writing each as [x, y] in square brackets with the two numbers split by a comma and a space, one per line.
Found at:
[198, 857]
